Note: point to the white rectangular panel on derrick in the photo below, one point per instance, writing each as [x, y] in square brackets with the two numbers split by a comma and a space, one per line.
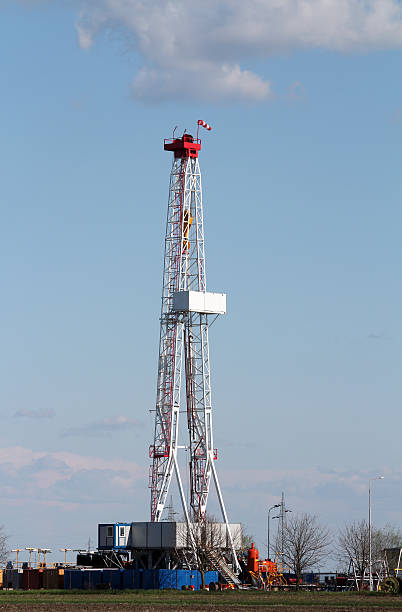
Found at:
[199, 301]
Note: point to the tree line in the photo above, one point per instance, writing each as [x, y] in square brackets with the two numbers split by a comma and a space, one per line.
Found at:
[304, 545]
[307, 545]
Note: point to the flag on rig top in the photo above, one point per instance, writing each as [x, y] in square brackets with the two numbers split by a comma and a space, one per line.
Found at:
[204, 125]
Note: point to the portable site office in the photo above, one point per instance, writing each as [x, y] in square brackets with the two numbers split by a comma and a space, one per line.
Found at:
[164, 535]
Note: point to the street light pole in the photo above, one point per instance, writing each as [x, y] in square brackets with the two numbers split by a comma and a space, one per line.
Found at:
[370, 533]
[269, 510]
[284, 510]
[281, 517]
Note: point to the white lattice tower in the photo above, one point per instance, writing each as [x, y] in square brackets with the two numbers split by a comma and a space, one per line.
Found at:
[186, 309]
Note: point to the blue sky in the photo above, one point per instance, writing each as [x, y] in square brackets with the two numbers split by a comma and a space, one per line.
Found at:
[302, 192]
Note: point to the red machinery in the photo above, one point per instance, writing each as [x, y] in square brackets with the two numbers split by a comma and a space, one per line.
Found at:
[252, 559]
[263, 572]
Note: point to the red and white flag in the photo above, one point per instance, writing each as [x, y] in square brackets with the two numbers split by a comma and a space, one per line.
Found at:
[204, 125]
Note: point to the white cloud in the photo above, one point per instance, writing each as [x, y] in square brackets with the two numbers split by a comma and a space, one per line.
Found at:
[15, 458]
[100, 489]
[226, 81]
[43, 413]
[200, 50]
[61, 476]
[84, 37]
[103, 427]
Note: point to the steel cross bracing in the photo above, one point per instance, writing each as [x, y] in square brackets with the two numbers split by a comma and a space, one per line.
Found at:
[199, 415]
[184, 270]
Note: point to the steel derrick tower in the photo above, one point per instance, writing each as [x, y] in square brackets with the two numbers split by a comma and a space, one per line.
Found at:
[187, 308]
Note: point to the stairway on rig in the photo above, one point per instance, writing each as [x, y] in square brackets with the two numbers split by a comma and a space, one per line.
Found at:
[219, 564]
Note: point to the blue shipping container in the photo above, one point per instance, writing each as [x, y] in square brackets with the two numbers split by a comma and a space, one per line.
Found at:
[138, 579]
[173, 579]
[73, 579]
[211, 577]
[135, 579]
[82, 579]
[91, 578]
[128, 579]
[149, 579]
[114, 577]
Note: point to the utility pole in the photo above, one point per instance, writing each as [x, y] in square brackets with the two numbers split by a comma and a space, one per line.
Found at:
[282, 520]
[268, 525]
[281, 524]
[370, 532]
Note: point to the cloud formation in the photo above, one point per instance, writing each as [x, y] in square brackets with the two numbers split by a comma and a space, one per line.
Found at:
[201, 49]
[72, 481]
[102, 427]
[43, 413]
[63, 478]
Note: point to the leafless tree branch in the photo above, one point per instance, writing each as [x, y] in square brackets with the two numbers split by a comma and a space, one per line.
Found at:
[305, 543]
[4, 551]
[353, 543]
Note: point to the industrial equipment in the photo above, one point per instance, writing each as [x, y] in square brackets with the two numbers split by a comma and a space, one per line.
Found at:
[187, 310]
[263, 573]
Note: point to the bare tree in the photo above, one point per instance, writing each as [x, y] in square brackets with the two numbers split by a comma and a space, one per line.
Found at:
[3, 546]
[246, 539]
[210, 540]
[388, 536]
[353, 543]
[305, 543]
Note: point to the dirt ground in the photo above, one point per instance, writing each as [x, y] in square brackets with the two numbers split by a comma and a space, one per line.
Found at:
[162, 601]
[211, 608]
[121, 608]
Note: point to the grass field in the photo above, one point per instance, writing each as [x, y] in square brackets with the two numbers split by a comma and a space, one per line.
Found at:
[157, 601]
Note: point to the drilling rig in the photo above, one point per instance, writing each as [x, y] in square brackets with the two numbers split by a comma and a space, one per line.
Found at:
[186, 313]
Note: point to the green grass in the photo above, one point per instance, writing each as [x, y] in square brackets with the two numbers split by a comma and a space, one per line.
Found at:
[179, 600]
